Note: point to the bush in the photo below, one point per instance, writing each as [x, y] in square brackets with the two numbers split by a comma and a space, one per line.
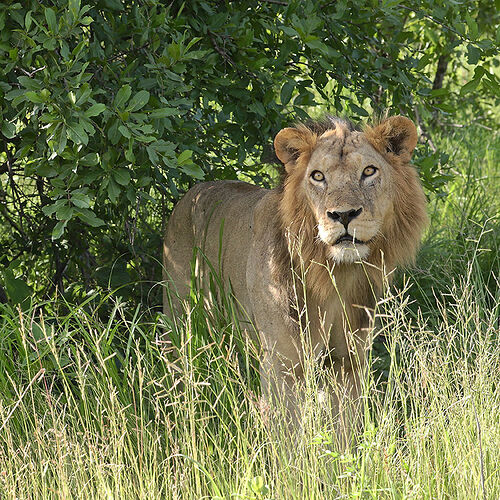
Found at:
[111, 109]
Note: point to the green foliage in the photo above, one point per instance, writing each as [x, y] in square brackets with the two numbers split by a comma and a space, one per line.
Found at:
[111, 109]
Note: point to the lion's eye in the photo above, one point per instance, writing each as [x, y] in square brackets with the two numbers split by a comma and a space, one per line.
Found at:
[369, 170]
[318, 176]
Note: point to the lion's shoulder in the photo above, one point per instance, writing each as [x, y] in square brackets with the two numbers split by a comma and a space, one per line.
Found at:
[227, 195]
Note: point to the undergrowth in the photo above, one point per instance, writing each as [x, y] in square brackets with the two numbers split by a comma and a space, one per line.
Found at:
[95, 408]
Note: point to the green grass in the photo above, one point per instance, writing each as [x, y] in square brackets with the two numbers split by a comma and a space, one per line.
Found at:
[95, 408]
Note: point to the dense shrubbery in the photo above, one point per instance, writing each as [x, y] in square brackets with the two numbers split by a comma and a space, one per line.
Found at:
[111, 109]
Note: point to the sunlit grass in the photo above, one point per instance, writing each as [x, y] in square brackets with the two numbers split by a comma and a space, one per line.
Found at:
[93, 406]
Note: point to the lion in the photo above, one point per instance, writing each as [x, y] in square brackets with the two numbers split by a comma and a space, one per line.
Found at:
[349, 210]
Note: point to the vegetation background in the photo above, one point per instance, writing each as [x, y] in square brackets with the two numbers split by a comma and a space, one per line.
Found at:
[110, 110]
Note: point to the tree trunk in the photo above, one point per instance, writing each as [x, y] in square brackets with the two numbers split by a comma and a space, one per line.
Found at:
[440, 71]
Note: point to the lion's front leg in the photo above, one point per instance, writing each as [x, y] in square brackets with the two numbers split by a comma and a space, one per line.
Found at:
[282, 384]
[343, 387]
[350, 407]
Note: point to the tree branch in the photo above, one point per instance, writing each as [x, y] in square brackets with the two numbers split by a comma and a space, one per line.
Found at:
[277, 2]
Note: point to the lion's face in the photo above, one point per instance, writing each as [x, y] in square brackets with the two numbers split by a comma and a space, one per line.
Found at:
[353, 192]
[348, 186]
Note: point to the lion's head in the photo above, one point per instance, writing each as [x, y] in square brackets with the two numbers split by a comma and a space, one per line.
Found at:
[352, 195]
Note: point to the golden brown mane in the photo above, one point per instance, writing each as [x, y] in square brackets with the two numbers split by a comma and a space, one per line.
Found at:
[297, 225]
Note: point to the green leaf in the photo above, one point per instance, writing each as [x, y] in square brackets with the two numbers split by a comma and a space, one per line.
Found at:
[138, 101]
[14, 94]
[77, 134]
[122, 96]
[259, 487]
[286, 92]
[448, 108]
[121, 176]
[95, 109]
[439, 92]
[50, 44]
[89, 160]
[90, 218]
[46, 170]
[322, 47]
[472, 25]
[17, 289]
[193, 171]
[124, 131]
[80, 200]
[473, 54]
[30, 83]
[34, 97]
[64, 213]
[27, 20]
[64, 50]
[424, 61]
[114, 4]
[58, 230]
[48, 210]
[192, 42]
[470, 86]
[184, 156]
[113, 190]
[8, 129]
[358, 110]
[129, 155]
[74, 8]
[289, 31]
[50, 16]
[164, 112]
[258, 108]
[83, 94]
[113, 133]
[153, 155]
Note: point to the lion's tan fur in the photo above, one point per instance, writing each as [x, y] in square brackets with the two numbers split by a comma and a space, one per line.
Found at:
[266, 234]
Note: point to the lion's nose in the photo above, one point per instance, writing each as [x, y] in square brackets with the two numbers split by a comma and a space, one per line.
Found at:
[344, 217]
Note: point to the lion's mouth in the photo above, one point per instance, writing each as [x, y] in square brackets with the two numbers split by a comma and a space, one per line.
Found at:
[349, 238]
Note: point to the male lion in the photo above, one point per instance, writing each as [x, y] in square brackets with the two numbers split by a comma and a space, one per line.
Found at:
[350, 206]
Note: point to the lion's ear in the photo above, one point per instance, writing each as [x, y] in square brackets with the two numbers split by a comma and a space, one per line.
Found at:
[290, 143]
[397, 135]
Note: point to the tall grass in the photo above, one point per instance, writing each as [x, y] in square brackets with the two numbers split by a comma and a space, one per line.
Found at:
[98, 409]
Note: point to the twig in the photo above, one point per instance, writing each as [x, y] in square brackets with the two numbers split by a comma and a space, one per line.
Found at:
[220, 50]
[32, 73]
[458, 125]
[277, 2]
[434, 20]
[227, 57]
[424, 131]
[11, 221]
[13, 185]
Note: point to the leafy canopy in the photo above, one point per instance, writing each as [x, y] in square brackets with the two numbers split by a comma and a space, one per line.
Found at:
[111, 109]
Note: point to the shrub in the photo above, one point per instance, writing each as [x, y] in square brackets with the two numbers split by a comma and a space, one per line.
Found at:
[111, 109]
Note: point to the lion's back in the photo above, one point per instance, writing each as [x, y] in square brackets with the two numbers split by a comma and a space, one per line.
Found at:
[217, 218]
